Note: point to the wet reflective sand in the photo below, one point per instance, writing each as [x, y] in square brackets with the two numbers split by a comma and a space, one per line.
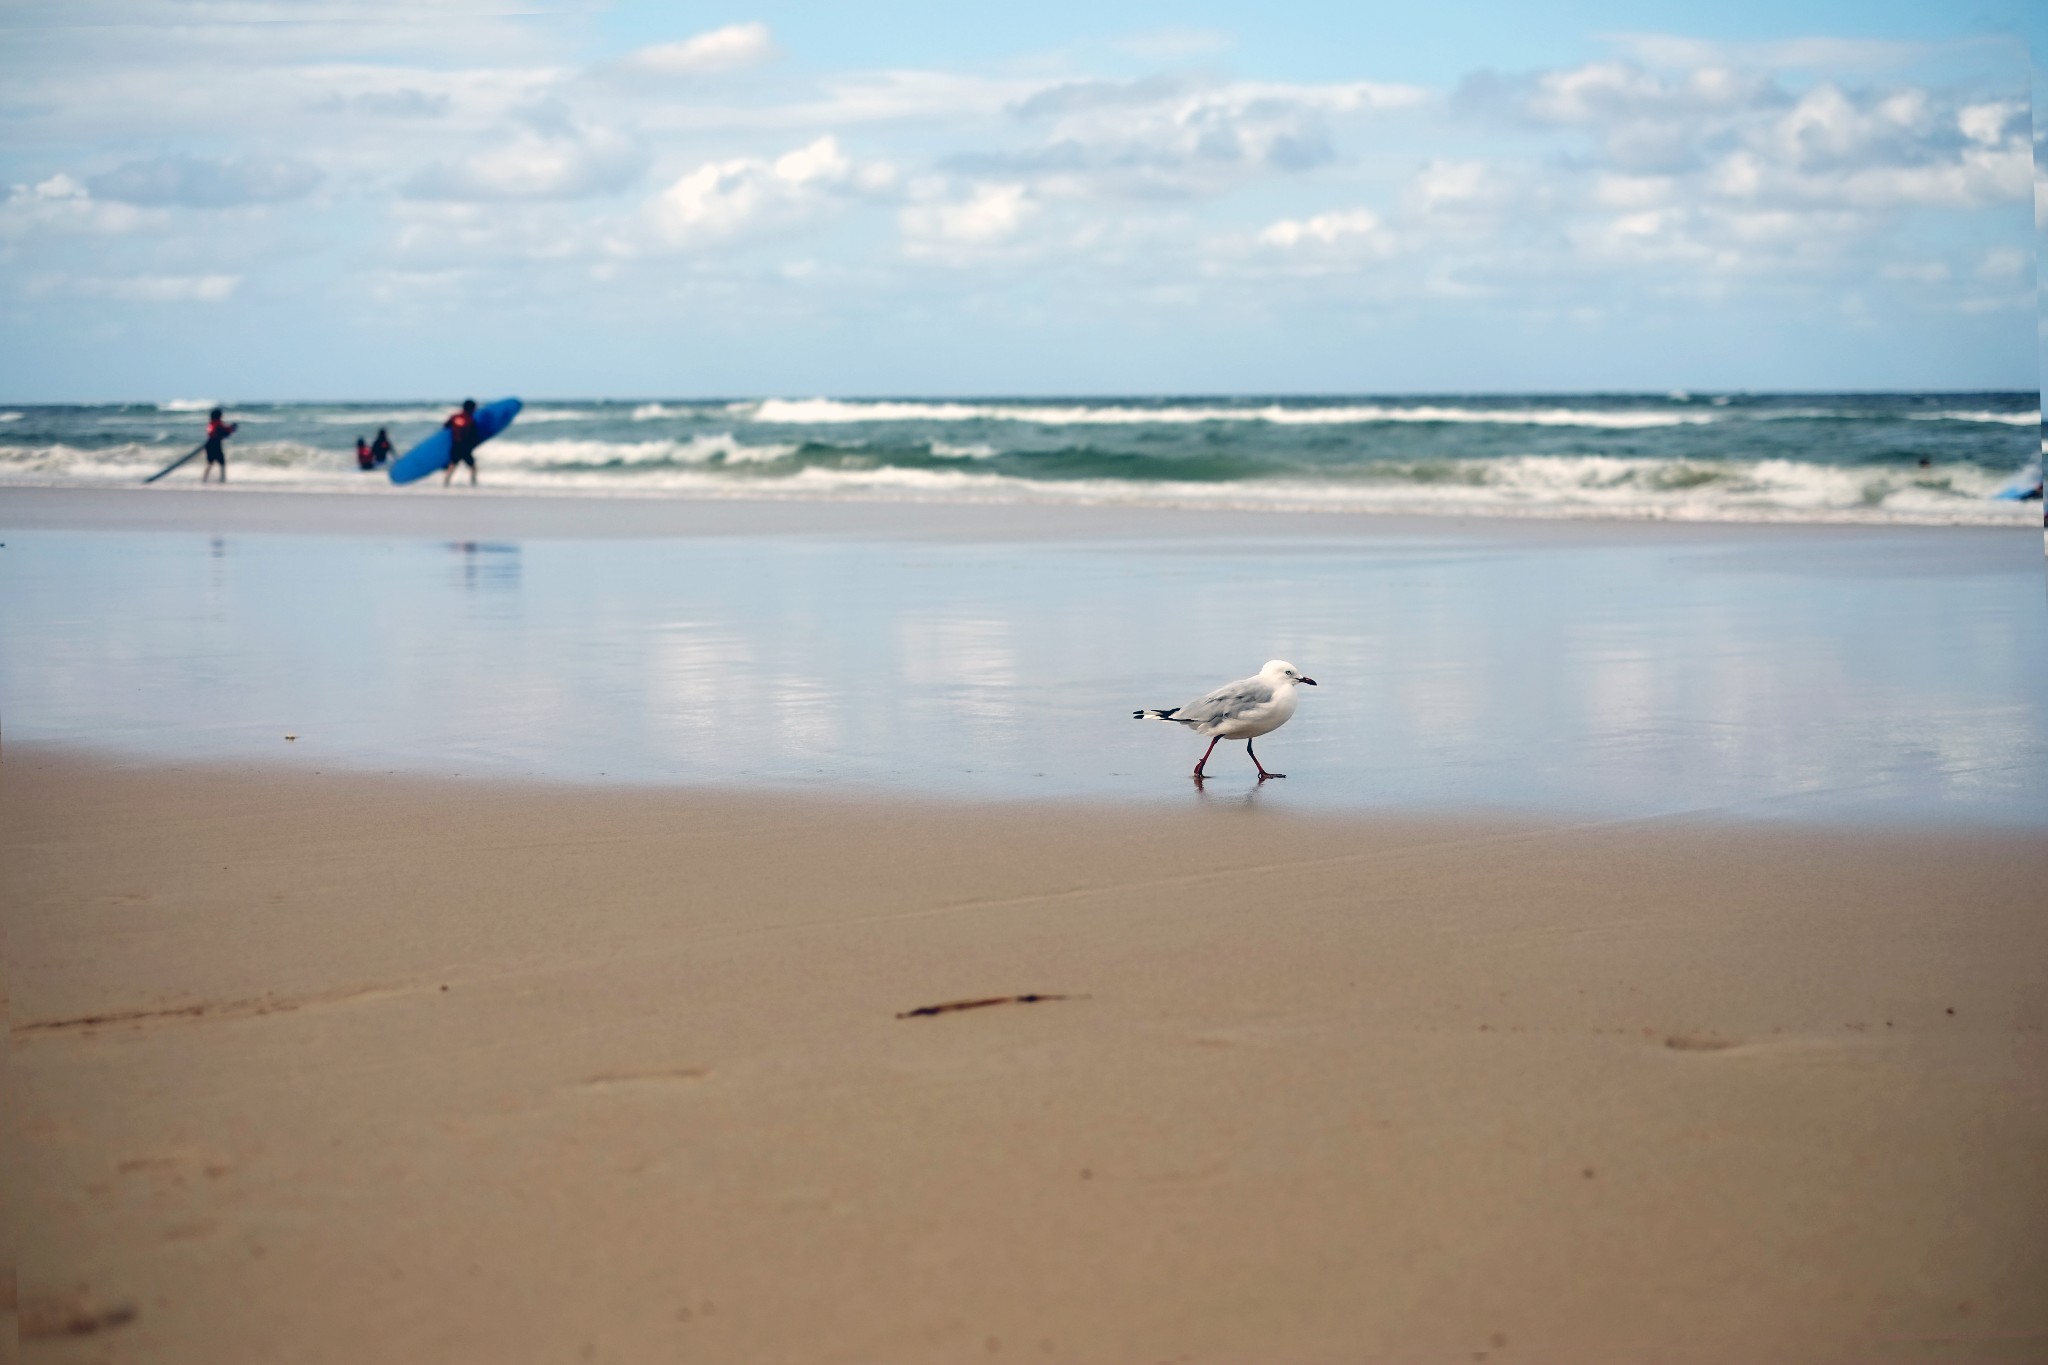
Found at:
[1822, 675]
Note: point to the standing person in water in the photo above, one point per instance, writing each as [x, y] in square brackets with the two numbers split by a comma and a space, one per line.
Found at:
[363, 458]
[217, 433]
[380, 449]
[463, 438]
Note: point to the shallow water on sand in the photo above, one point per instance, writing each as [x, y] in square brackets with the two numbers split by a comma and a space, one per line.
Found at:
[1886, 675]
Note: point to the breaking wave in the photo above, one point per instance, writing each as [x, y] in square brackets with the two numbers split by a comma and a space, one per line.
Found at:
[823, 411]
[1935, 458]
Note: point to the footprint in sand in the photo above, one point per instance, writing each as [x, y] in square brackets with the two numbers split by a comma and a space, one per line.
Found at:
[1694, 1042]
[45, 1317]
[666, 1076]
[208, 1010]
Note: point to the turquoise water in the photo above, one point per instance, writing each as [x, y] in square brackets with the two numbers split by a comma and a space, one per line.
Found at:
[1777, 674]
[1801, 457]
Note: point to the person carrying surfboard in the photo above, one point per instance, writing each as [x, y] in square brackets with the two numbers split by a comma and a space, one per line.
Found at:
[217, 433]
[455, 440]
[463, 439]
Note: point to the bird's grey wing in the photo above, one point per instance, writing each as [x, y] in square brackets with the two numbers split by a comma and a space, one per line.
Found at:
[1231, 699]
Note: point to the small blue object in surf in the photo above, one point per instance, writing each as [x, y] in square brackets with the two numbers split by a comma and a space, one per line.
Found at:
[2026, 484]
[433, 454]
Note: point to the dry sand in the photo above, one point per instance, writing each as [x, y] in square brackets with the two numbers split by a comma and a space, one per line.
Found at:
[308, 1067]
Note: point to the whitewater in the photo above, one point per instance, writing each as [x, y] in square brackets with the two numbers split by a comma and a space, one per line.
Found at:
[1926, 458]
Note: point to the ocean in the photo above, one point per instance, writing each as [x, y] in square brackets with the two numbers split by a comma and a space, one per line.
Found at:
[1930, 458]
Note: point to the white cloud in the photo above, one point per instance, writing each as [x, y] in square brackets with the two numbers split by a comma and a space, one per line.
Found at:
[61, 205]
[1181, 135]
[1592, 94]
[723, 49]
[1690, 183]
[721, 199]
[1458, 189]
[1668, 166]
[1989, 123]
[990, 215]
[1721, 172]
[550, 157]
[1327, 229]
[821, 162]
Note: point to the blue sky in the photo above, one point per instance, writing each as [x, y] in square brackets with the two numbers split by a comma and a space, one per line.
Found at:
[253, 199]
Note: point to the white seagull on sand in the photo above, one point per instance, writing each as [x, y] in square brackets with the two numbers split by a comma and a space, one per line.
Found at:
[1244, 710]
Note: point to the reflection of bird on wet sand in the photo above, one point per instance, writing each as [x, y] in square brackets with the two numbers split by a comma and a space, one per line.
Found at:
[1244, 710]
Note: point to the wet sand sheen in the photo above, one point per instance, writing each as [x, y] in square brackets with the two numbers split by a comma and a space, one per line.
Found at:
[998, 652]
[340, 1068]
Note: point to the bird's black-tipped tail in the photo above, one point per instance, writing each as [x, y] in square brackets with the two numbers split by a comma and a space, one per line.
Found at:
[1167, 714]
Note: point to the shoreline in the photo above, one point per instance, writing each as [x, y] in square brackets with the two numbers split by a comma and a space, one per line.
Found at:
[331, 1067]
[514, 513]
[1784, 815]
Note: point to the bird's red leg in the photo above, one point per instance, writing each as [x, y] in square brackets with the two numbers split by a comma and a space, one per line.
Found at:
[1263, 774]
[1205, 756]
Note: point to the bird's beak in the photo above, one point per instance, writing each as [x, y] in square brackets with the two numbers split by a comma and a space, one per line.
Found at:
[1310, 681]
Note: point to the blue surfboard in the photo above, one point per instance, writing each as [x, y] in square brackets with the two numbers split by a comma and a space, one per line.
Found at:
[431, 454]
[2026, 484]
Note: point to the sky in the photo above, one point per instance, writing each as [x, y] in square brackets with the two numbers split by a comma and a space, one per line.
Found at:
[358, 199]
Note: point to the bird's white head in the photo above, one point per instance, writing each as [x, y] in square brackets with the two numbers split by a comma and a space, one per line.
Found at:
[1279, 670]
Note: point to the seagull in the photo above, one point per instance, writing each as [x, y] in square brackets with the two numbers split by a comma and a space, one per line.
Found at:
[1244, 710]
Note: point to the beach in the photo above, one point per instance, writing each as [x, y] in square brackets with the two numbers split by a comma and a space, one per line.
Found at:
[1641, 961]
[1122, 685]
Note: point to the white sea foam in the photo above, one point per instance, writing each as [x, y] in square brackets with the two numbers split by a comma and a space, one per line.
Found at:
[187, 405]
[1534, 490]
[2016, 419]
[1516, 486]
[1525, 486]
[389, 418]
[1537, 486]
[532, 415]
[655, 412]
[280, 463]
[1850, 413]
[719, 448]
[11, 416]
[831, 411]
[978, 450]
[392, 417]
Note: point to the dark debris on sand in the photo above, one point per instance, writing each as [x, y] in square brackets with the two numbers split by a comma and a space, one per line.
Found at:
[953, 1005]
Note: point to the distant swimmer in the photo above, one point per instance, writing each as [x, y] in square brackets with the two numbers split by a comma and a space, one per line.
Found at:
[463, 438]
[1244, 710]
[380, 449]
[364, 460]
[217, 433]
